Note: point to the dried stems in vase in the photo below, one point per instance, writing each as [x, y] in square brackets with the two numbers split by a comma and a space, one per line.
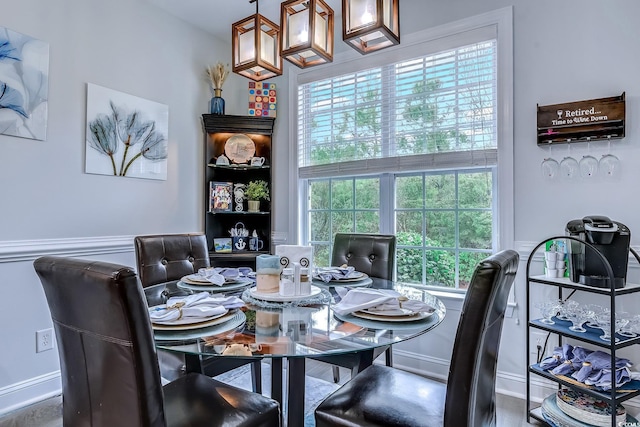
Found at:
[217, 75]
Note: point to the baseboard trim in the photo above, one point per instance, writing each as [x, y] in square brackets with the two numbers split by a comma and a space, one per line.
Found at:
[25, 393]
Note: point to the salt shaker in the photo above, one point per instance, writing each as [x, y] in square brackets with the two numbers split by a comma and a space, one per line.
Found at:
[287, 283]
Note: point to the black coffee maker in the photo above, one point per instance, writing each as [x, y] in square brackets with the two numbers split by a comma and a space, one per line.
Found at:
[610, 238]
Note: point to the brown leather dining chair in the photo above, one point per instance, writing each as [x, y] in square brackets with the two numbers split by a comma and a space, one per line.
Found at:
[108, 363]
[373, 254]
[167, 257]
[385, 396]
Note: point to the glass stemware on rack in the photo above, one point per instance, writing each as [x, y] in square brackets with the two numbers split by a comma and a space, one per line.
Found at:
[604, 323]
[569, 167]
[609, 164]
[566, 307]
[548, 309]
[550, 167]
[578, 315]
[588, 164]
[632, 328]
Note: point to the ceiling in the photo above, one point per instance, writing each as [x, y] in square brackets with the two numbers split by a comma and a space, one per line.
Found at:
[217, 16]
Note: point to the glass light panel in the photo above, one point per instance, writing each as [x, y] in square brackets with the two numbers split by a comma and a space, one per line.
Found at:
[246, 49]
[321, 30]
[361, 13]
[298, 29]
[268, 48]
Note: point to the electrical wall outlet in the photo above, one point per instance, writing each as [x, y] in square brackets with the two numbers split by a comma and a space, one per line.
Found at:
[44, 340]
[537, 338]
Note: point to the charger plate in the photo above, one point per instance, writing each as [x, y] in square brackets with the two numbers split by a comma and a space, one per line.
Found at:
[239, 284]
[352, 284]
[215, 320]
[232, 320]
[275, 297]
[393, 318]
[417, 325]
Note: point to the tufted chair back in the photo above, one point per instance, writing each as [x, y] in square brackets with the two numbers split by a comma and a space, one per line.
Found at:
[373, 254]
[165, 257]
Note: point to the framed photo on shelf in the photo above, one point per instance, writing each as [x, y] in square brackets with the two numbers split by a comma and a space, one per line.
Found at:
[220, 196]
[222, 245]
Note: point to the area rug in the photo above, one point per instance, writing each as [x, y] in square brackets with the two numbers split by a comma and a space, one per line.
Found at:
[315, 389]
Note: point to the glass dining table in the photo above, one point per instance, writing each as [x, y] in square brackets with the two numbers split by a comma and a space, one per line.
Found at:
[293, 330]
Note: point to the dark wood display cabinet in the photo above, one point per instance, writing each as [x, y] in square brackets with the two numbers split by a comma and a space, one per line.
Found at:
[237, 151]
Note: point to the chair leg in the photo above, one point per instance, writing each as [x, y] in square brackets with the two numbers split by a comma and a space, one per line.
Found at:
[336, 374]
[256, 376]
[388, 357]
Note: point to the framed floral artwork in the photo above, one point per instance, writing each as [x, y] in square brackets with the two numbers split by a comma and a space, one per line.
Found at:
[24, 85]
[126, 135]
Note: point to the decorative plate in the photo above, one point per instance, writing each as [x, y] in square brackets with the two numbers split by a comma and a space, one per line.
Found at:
[276, 297]
[239, 148]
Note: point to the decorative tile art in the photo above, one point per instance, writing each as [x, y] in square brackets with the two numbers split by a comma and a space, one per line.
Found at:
[262, 99]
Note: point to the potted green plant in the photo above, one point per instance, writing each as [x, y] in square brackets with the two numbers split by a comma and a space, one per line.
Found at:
[256, 191]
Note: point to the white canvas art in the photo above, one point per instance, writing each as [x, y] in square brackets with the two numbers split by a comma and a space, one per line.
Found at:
[126, 135]
[24, 85]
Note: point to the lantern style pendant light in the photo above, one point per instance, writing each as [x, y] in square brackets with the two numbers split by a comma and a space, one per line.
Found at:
[307, 32]
[256, 44]
[370, 25]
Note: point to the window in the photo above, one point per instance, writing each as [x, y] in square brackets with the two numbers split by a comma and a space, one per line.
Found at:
[409, 148]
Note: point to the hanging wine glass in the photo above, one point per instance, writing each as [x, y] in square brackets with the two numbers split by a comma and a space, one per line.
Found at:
[588, 164]
[549, 167]
[609, 164]
[569, 166]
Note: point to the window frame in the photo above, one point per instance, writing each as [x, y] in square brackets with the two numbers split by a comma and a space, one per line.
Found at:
[448, 36]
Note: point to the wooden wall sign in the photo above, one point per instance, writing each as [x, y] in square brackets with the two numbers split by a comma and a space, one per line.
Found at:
[581, 121]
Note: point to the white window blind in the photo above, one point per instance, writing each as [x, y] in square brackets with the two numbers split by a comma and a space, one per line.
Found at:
[432, 112]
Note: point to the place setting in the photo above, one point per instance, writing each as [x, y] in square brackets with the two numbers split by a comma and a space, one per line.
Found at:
[217, 279]
[343, 275]
[381, 305]
[195, 312]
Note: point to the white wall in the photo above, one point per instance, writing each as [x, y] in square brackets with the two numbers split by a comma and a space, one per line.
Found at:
[563, 51]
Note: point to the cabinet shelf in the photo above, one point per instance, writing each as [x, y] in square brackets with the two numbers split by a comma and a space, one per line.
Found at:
[238, 167]
[239, 213]
[591, 336]
[565, 282]
[629, 390]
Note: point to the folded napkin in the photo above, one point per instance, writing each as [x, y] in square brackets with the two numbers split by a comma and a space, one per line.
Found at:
[210, 275]
[377, 300]
[196, 306]
[327, 274]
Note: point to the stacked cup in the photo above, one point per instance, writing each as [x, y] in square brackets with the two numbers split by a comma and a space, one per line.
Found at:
[554, 263]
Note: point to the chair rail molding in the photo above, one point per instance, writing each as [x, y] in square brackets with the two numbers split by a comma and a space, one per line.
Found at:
[28, 250]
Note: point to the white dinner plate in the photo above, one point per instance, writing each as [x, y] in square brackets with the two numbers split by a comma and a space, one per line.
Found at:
[276, 297]
[407, 318]
[187, 320]
[239, 284]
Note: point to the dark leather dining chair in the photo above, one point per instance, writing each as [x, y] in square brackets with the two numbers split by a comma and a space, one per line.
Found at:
[110, 373]
[373, 254]
[168, 257]
[384, 396]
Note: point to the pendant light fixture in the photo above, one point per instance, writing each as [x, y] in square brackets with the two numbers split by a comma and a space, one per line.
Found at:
[307, 32]
[370, 25]
[256, 44]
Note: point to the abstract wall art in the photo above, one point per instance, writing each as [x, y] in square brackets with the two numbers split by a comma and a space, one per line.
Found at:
[24, 85]
[126, 135]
